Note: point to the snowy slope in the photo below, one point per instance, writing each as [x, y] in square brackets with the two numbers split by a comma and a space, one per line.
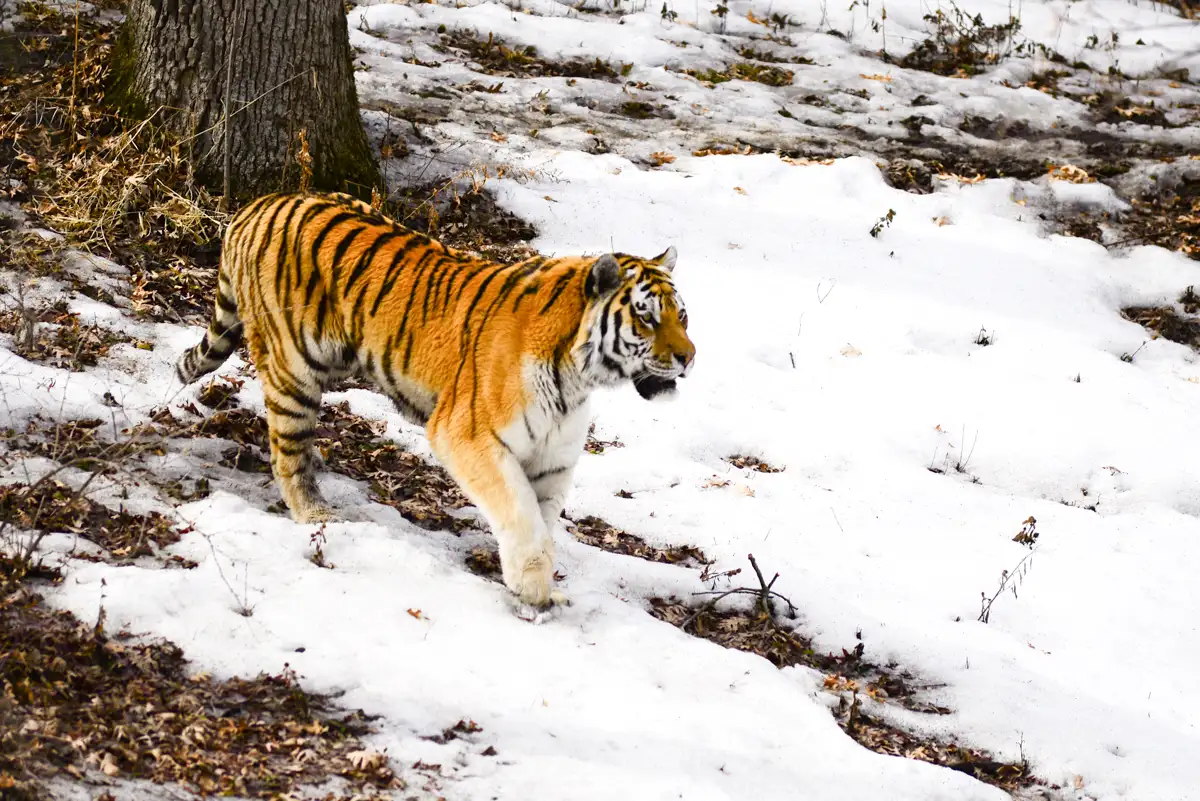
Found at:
[849, 359]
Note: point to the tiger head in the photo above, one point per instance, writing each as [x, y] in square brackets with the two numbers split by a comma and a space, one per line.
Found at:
[639, 324]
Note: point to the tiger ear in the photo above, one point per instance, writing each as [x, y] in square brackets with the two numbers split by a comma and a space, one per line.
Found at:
[604, 277]
[666, 259]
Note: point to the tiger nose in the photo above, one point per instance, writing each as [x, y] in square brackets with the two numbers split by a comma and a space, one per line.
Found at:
[686, 356]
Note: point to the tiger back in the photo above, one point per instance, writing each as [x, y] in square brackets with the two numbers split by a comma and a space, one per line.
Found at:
[495, 361]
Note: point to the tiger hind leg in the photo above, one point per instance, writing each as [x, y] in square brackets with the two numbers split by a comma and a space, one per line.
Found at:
[292, 410]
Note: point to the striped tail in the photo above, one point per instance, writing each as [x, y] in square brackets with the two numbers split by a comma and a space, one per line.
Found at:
[223, 337]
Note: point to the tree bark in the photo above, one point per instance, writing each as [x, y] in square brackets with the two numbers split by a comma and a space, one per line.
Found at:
[291, 90]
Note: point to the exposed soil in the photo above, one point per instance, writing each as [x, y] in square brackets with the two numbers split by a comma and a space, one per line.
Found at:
[849, 674]
[495, 57]
[593, 531]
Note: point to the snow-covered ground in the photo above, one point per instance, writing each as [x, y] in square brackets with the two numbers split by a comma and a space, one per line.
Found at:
[851, 360]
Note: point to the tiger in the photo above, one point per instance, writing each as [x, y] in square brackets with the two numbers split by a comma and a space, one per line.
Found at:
[496, 362]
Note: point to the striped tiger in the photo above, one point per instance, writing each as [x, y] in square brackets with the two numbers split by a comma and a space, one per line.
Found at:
[496, 362]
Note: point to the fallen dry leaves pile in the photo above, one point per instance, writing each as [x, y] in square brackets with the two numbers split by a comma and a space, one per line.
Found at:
[74, 701]
[53, 506]
[54, 335]
[593, 531]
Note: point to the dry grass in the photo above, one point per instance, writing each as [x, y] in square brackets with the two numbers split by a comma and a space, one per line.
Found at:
[114, 186]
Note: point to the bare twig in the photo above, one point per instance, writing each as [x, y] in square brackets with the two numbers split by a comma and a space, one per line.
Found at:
[763, 594]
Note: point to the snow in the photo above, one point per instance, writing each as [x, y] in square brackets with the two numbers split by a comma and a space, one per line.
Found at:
[849, 359]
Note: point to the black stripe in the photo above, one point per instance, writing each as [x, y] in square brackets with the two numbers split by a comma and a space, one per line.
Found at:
[360, 266]
[553, 471]
[466, 333]
[393, 274]
[302, 435]
[532, 289]
[434, 273]
[318, 240]
[267, 236]
[412, 294]
[559, 286]
[339, 252]
[617, 343]
[305, 401]
[275, 408]
[322, 313]
[367, 259]
[467, 281]
[501, 440]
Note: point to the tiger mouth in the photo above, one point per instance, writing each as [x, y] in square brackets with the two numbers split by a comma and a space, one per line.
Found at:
[649, 385]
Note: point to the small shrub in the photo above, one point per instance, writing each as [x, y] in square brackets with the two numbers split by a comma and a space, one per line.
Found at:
[960, 44]
[883, 222]
[1011, 579]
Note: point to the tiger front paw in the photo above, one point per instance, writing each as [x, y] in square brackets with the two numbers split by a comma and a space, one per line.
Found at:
[532, 581]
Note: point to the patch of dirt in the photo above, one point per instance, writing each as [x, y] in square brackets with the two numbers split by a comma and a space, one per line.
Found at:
[999, 128]
[1166, 322]
[54, 507]
[484, 561]
[597, 533]
[849, 675]
[752, 463]
[885, 738]
[76, 700]
[1115, 108]
[751, 53]
[757, 632]
[1169, 219]
[178, 289]
[221, 393]
[495, 57]
[118, 187]
[54, 335]
[424, 494]
[641, 110]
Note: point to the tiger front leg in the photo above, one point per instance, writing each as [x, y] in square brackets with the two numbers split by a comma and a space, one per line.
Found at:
[491, 477]
[551, 486]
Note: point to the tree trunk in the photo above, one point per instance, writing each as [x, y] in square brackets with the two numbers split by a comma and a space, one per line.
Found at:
[293, 108]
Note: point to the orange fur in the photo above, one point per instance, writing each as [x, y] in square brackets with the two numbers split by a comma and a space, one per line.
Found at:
[495, 361]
